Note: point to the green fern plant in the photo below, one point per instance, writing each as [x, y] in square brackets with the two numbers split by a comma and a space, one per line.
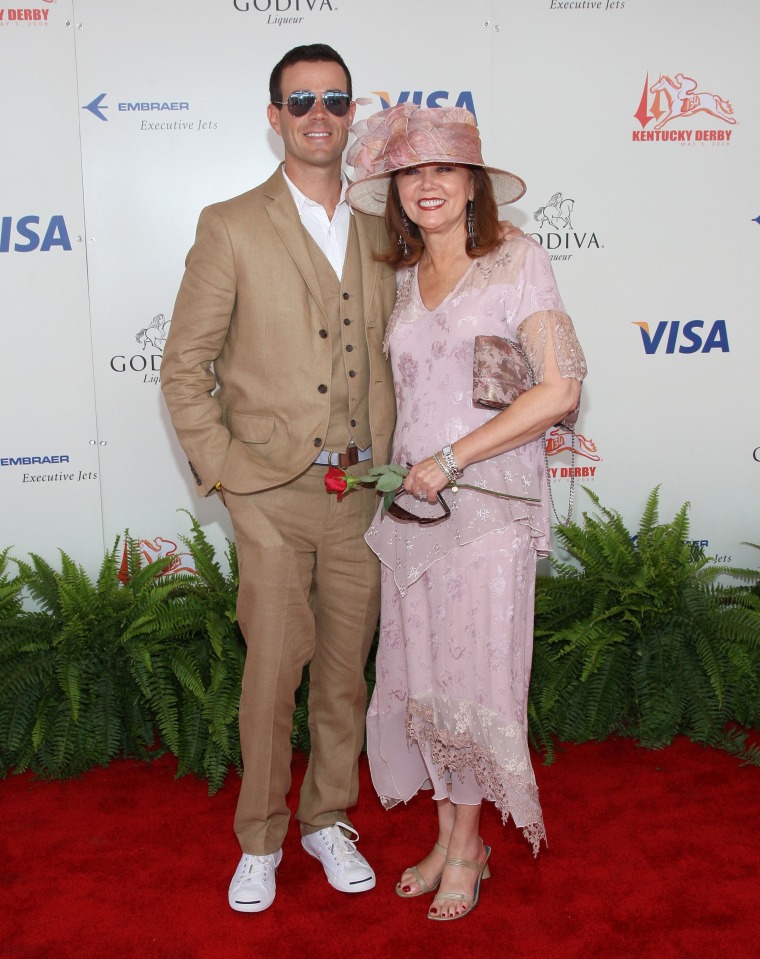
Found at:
[745, 689]
[67, 699]
[97, 667]
[640, 638]
[187, 656]
[300, 738]
[10, 590]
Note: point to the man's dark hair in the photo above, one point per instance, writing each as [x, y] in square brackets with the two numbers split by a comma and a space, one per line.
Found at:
[311, 53]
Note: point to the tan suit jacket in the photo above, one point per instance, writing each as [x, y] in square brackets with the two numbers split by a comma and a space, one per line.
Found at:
[250, 304]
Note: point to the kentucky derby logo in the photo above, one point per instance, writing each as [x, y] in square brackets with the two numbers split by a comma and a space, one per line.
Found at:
[159, 548]
[556, 232]
[560, 440]
[677, 98]
[155, 334]
[24, 15]
[150, 550]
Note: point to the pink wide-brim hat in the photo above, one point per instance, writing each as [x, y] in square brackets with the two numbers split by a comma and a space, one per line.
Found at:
[407, 135]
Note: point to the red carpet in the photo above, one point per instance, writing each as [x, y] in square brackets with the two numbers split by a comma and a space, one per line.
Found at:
[652, 854]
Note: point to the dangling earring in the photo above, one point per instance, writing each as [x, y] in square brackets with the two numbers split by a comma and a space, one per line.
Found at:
[472, 238]
[401, 240]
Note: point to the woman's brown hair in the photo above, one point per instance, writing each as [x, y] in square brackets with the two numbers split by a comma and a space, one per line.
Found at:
[486, 224]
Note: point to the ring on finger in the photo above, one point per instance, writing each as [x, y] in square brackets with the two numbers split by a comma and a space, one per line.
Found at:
[420, 495]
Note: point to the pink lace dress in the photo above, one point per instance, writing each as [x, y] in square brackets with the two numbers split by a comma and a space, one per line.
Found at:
[449, 710]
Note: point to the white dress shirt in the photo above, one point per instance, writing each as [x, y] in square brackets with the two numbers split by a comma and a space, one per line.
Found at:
[331, 236]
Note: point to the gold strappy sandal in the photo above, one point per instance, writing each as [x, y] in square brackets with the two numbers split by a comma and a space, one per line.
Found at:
[483, 873]
[419, 879]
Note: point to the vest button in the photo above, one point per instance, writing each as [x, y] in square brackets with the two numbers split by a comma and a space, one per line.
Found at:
[322, 388]
[346, 296]
[352, 372]
[349, 348]
[347, 322]
[323, 334]
[317, 440]
[353, 422]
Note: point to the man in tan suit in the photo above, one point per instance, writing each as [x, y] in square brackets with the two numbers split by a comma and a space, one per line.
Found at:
[274, 369]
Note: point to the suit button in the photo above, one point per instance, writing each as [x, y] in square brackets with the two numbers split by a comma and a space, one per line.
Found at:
[322, 388]
[317, 440]
[353, 422]
[352, 372]
[345, 296]
[323, 334]
[349, 348]
[198, 481]
[347, 322]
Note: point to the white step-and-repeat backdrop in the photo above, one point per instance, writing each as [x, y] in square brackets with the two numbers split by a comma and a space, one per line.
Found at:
[636, 124]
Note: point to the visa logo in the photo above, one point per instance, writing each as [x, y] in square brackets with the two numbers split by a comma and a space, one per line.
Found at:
[432, 100]
[686, 339]
[28, 230]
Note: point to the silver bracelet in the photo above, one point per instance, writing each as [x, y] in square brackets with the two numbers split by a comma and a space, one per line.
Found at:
[443, 468]
[448, 457]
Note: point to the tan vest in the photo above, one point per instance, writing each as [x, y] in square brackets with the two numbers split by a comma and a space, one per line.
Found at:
[349, 386]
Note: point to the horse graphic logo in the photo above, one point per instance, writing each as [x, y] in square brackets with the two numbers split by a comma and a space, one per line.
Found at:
[682, 99]
[149, 550]
[556, 213]
[159, 548]
[562, 441]
[155, 334]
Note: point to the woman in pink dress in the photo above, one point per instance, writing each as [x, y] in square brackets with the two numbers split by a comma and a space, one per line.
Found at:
[449, 711]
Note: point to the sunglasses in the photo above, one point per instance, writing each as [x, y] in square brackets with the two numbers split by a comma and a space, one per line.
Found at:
[300, 102]
[406, 517]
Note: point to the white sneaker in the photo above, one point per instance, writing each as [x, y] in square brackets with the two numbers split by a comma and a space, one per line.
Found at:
[252, 888]
[346, 869]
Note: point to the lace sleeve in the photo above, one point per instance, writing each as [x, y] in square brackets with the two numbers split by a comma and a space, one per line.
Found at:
[568, 351]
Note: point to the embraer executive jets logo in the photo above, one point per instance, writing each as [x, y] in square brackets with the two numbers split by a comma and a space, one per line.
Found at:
[97, 106]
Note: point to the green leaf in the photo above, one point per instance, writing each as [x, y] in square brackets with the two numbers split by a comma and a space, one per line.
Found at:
[389, 482]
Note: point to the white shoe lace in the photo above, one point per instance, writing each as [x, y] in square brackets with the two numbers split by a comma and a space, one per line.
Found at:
[255, 870]
[342, 848]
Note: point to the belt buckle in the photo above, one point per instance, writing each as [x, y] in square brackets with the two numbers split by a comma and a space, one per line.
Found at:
[350, 457]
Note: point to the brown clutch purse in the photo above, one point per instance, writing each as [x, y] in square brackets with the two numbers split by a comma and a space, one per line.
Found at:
[501, 372]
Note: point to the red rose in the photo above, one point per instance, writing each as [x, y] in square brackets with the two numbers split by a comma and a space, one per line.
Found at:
[335, 481]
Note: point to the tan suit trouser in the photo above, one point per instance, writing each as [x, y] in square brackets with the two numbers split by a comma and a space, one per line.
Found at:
[309, 592]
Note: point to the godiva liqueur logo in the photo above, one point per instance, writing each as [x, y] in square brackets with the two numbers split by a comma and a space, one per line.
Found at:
[284, 13]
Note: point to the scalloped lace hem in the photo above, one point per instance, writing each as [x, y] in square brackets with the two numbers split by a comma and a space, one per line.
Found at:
[495, 751]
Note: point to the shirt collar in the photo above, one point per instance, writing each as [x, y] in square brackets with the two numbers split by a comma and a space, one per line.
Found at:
[302, 201]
